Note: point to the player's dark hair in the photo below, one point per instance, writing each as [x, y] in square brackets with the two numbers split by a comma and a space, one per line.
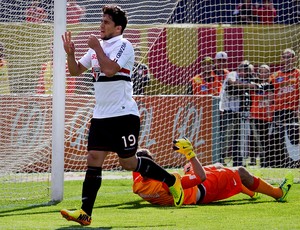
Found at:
[117, 15]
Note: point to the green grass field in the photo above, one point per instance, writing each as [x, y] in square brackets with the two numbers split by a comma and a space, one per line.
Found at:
[118, 208]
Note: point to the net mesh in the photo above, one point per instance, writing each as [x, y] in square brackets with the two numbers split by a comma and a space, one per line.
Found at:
[171, 39]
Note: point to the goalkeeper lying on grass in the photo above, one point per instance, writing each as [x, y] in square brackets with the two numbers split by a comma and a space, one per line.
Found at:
[206, 184]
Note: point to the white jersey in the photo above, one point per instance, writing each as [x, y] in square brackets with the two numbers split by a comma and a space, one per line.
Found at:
[229, 102]
[113, 94]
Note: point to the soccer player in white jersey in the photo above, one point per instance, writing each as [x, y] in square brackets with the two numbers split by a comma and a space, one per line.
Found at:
[115, 125]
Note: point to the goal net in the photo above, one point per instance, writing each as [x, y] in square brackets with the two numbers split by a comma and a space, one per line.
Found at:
[173, 40]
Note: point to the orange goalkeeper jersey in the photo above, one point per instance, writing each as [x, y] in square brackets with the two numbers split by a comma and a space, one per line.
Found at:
[219, 184]
[156, 192]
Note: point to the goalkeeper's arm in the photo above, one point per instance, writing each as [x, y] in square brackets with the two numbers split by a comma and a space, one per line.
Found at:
[198, 169]
[185, 147]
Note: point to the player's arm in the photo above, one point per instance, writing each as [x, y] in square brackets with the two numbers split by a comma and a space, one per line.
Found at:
[108, 66]
[185, 147]
[75, 68]
[242, 85]
[198, 169]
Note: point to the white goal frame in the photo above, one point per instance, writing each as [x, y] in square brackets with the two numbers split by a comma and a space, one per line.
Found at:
[58, 113]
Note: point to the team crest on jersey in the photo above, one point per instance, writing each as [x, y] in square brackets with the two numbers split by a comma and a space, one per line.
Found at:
[96, 72]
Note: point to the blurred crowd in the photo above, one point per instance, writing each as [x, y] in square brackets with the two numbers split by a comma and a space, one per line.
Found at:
[259, 109]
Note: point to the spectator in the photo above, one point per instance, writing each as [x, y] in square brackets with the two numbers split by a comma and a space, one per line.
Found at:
[205, 83]
[203, 185]
[221, 66]
[265, 12]
[36, 13]
[140, 75]
[261, 114]
[75, 12]
[244, 13]
[286, 84]
[235, 108]
[4, 79]
[45, 81]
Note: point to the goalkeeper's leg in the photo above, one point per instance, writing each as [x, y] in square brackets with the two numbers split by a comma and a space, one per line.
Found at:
[150, 169]
[257, 184]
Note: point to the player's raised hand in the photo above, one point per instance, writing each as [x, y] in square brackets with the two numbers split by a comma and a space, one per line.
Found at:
[93, 42]
[68, 44]
[185, 147]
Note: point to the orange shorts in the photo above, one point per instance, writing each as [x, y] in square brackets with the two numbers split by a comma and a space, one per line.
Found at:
[221, 184]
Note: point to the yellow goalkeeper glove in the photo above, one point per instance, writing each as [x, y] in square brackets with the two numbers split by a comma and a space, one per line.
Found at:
[185, 147]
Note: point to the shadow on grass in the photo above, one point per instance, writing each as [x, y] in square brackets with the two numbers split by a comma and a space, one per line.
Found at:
[142, 204]
[138, 204]
[76, 227]
[239, 202]
[22, 211]
[27, 207]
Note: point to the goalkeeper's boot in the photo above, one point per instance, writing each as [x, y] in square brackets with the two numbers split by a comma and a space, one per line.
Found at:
[185, 147]
[177, 191]
[78, 216]
[286, 186]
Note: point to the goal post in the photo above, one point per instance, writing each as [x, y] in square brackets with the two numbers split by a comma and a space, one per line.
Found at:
[58, 101]
[45, 115]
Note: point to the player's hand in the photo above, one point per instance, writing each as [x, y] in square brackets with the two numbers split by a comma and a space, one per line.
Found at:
[68, 44]
[185, 147]
[93, 42]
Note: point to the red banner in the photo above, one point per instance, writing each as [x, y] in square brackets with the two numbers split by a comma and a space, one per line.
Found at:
[26, 129]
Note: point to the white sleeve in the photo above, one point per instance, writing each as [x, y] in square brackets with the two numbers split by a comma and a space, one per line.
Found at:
[86, 60]
[123, 53]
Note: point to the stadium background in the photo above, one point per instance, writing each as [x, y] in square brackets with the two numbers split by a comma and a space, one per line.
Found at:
[169, 72]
